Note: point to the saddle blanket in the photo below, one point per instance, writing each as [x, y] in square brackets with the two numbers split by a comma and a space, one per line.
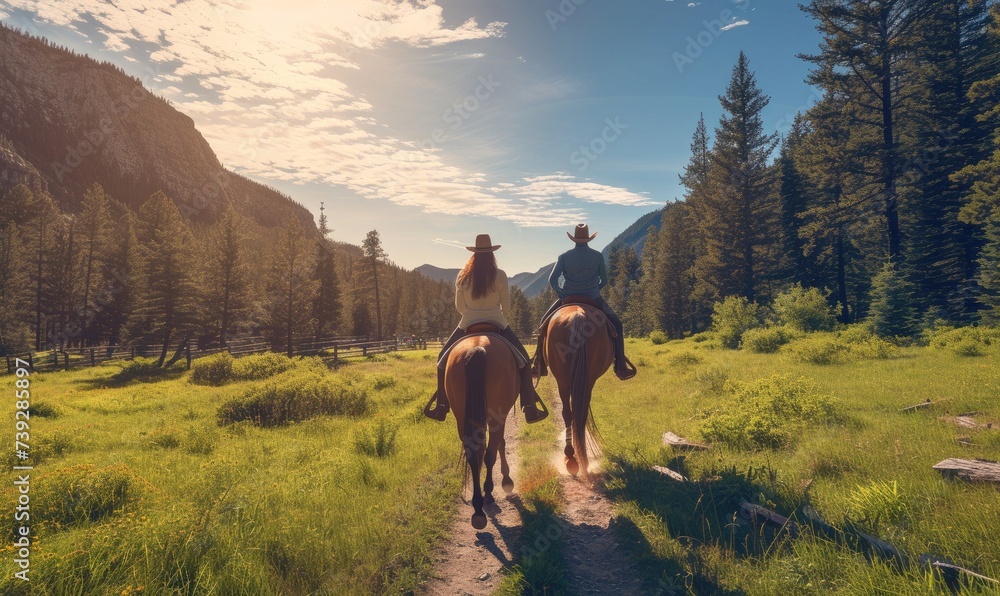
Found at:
[518, 356]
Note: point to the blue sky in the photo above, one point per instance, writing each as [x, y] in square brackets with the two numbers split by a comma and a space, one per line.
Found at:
[433, 122]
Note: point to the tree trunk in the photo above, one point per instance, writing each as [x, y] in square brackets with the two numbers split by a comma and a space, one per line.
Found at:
[889, 148]
[378, 306]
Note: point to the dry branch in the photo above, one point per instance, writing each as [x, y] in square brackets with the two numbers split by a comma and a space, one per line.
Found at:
[672, 440]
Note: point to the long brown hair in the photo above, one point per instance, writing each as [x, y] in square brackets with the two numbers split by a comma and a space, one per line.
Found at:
[482, 268]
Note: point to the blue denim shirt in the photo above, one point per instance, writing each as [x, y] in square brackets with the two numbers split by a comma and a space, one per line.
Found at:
[582, 270]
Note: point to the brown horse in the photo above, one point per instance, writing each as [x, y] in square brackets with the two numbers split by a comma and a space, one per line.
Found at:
[578, 351]
[481, 383]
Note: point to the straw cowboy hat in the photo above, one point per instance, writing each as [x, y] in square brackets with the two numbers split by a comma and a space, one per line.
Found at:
[483, 244]
[581, 234]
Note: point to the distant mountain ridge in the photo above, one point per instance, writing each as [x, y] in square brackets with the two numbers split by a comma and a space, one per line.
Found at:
[532, 284]
[69, 121]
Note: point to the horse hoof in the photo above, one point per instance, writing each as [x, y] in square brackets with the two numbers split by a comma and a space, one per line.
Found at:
[568, 451]
[488, 499]
[508, 485]
[479, 520]
[572, 466]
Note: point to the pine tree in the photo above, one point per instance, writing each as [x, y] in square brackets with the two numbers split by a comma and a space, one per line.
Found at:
[830, 211]
[290, 285]
[736, 214]
[520, 313]
[168, 301]
[892, 313]
[982, 203]
[326, 307]
[227, 275]
[94, 226]
[941, 252]
[675, 311]
[374, 255]
[115, 300]
[863, 56]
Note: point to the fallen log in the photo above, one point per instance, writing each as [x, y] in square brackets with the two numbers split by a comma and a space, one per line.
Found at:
[672, 440]
[670, 473]
[971, 470]
[925, 404]
[755, 513]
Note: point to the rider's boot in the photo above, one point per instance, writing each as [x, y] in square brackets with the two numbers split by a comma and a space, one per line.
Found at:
[622, 369]
[437, 407]
[529, 398]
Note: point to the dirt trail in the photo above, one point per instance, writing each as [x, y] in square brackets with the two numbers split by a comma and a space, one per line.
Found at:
[596, 563]
[471, 560]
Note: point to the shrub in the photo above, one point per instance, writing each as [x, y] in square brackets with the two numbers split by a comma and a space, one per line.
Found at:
[216, 369]
[874, 348]
[968, 347]
[43, 409]
[295, 396]
[733, 317]
[84, 493]
[765, 340]
[816, 350]
[382, 381]
[763, 412]
[892, 312]
[164, 438]
[684, 359]
[137, 368]
[805, 310]
[965, 341]
[222, 368]
[268, 364]
[376, 438]
[658, 337]
[713, 379]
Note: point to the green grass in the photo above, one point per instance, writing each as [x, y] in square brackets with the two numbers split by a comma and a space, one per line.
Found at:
[857, 457]
[137, 487]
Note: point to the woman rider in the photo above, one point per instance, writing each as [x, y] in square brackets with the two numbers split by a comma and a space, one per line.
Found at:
[482, 295]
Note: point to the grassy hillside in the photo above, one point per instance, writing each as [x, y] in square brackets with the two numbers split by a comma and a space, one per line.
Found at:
[787, 432]
[139, 488]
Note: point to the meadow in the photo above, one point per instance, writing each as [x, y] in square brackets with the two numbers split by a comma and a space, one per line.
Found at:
[814, 421]
[269, 475]
[184, 482]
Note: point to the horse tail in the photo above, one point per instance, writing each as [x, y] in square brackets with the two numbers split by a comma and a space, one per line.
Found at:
[473, 427]
[475, 387]
[580, 389]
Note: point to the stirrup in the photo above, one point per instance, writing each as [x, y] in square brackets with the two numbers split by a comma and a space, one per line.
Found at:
[436, 410]
[533, 414]
[627, 370]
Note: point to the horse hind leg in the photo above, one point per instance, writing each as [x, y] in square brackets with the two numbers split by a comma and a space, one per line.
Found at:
[506, 483]
[491, 457]
[572, 466]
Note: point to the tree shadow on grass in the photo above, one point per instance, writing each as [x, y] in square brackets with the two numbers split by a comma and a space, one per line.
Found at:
[117, 379]
[704, 512]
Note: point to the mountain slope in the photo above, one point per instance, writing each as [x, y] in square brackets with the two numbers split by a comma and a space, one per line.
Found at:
[78, 121]
[635, 234]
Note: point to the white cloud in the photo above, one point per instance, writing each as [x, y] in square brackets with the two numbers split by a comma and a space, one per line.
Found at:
[275, 108]
[736, 24]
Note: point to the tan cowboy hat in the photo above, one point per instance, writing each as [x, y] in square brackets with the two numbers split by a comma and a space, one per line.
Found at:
[483, 244]
[581, 234]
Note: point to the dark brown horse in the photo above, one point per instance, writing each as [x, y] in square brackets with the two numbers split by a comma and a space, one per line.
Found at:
[578, 351]
[481, 382]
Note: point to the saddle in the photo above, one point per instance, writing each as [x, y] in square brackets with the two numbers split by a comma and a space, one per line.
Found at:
[491, 330]
[538, 362]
